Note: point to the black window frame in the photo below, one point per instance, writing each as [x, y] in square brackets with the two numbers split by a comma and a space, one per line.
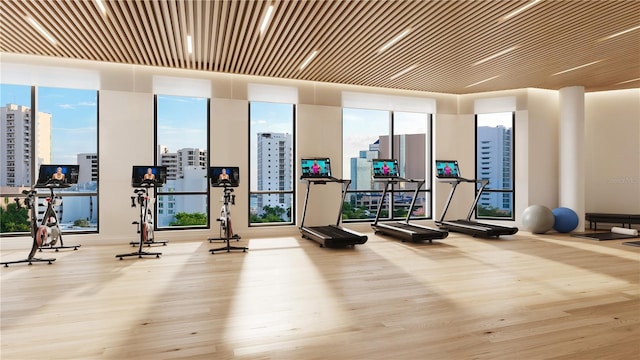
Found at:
[292, 216]
[158, 192]
[394, 189]
[33, 109]
[488, 190]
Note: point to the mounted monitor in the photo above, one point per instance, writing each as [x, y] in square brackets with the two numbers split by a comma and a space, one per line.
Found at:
[58, 175]
[385, 168]
[316, 168]
[447, 169]
[222, 176]
[148, 176]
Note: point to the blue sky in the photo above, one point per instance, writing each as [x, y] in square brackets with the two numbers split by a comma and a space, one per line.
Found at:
[182, 122]
[267, 117]
[73, 121]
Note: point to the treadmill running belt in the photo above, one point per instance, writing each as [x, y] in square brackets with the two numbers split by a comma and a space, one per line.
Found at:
[329, 231]
[477, 228]
[409, 232]
[415, 229]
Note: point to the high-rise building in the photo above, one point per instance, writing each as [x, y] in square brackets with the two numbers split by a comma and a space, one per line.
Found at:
[410, 150]
[411, 166]
[181, 159]
[494, 164]
[16, 127]
[88, 167]
[275, 166]
[361, 168]
[186, 171]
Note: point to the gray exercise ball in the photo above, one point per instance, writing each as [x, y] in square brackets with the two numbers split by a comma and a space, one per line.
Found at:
[538, 219]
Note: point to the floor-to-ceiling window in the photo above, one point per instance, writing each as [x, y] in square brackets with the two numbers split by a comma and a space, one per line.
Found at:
[271, 139]
[362, 131]
[412, 147]
[49, 126]
[494, 162]
[15, 161]
[182, 138]
[380, 134]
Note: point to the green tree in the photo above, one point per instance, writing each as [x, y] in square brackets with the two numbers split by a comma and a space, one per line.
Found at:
[491, 211]
[270, 214]
[189, 219]
[81, 223]
[14, 219]
[351, 212]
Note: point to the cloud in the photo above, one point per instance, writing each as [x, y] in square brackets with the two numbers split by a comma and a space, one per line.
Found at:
[77, 131]
[77, 105]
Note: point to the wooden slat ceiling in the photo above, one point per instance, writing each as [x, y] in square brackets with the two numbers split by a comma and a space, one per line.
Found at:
[446, 39]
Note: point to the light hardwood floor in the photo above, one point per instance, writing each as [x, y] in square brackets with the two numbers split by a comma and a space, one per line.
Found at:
[521, 297]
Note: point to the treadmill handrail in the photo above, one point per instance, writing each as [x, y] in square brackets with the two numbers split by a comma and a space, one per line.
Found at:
[324, 180]
[454, 184]
[398, 179]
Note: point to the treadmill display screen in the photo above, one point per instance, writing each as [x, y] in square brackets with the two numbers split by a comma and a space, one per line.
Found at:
[316, 168]
[385, 168]
[447, 169]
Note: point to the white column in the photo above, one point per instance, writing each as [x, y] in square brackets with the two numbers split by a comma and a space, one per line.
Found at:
[572, 184]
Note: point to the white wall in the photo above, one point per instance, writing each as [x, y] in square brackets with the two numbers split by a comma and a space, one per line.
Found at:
[126, 138]
[123, 141]
[539, 140]
[319, 134]
[454, 138]
[612, 151]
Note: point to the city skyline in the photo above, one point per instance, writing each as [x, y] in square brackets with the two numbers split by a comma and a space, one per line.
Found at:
[72, 109]
[73, 117]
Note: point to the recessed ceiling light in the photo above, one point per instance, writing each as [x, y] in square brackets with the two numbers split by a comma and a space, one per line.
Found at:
[403, 72]
[41, 30]
[394, 40]
[577, 67]
[482, 81]
[266, 18]
[518, 10]
[189, 44]
[103, 10]
[306, 62]
[619, 33]
[496, 55]
[628, 81]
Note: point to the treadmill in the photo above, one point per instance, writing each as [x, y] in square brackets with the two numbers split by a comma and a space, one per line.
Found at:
[448, 171]
[387, 170]
[317, 171]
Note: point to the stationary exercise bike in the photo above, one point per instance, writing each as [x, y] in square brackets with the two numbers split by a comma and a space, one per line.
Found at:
[226, 178]
[142, 179]
[50, 220]
[145, 226]
[225, 222]
[39, 233]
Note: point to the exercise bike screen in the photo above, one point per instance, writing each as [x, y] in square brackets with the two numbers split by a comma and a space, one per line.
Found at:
[385, 168]
[316, 168]
[224, 176]
[447, 169]
[58, 174]
[148, 176]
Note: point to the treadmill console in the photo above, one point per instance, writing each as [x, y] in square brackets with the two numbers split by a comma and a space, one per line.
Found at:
[447, 170]
[316, 168]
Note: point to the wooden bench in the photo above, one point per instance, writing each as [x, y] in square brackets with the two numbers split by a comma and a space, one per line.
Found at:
[624, 219]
